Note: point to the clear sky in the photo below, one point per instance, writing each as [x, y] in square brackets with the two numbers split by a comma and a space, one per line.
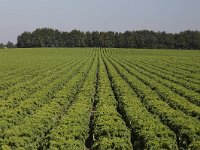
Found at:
[172, 16]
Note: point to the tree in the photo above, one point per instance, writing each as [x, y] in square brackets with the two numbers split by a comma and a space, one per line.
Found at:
[47, 37]
[2, 45]
[10, 45]
[89, 40]
[96, 39]
[25, 40]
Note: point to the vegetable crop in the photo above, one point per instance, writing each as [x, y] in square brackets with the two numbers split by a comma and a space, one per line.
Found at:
[99, 99]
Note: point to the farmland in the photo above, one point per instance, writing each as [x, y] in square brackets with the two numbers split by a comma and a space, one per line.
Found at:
[91, 98]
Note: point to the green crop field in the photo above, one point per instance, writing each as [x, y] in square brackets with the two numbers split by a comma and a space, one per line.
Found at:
[99, 99]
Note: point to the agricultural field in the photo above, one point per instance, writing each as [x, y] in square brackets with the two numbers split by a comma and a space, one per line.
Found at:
[99, 99]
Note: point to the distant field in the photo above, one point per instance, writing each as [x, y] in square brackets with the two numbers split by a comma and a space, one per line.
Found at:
[99, 99]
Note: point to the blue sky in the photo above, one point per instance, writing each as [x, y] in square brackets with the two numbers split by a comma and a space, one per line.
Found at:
[172, 16]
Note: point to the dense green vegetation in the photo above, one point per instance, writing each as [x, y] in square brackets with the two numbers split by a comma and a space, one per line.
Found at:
[99, 98]
[46, 37]
[8, 45]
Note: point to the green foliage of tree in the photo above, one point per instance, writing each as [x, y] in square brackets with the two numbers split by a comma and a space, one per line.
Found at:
[10, 45]
[2, 45]
[47, 37]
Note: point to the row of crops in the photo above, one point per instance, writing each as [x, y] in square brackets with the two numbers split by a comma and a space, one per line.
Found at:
[99, 99]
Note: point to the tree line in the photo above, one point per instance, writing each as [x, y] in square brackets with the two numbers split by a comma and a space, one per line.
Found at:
[8, 45]
[47, 37]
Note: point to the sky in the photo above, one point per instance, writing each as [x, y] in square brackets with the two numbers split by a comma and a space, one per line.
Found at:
[171, 16]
